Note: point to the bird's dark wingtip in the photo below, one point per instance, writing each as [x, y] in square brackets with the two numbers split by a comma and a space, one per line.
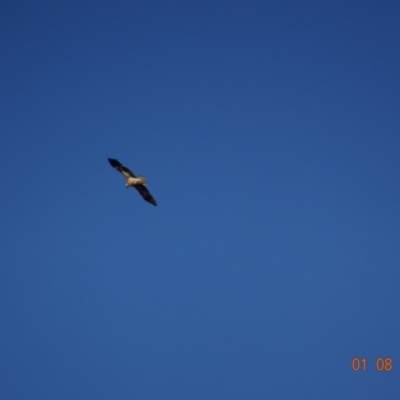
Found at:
[113, 162]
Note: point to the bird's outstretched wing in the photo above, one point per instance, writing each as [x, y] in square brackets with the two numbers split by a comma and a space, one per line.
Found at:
[144, 192]
[119, 167]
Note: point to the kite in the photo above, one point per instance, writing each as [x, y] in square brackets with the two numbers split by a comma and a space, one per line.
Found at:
[138, 182]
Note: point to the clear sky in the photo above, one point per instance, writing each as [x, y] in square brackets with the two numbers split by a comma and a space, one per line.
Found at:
[269, 133]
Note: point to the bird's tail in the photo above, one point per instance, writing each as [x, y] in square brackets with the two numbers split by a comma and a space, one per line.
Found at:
[142, 180]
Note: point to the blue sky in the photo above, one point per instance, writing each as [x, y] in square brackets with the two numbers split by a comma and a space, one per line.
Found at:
[269, 135]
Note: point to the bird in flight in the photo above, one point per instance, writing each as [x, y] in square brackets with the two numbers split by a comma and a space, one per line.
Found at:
[138, 182]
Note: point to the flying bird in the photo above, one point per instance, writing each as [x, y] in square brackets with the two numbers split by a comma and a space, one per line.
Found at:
[138, 182]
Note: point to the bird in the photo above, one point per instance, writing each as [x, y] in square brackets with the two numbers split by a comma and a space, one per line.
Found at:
[138, 182]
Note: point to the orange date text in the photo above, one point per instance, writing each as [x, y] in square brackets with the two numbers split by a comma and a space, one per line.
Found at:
[381, 364]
